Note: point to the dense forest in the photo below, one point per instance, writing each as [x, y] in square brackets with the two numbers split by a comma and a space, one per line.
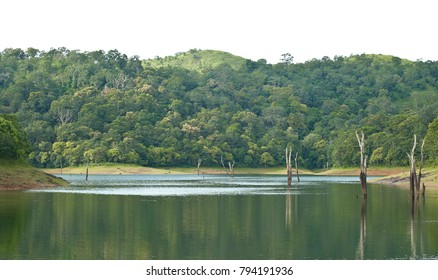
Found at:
[106, 107]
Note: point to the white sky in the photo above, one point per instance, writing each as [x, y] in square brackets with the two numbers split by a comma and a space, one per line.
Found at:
[252, 29]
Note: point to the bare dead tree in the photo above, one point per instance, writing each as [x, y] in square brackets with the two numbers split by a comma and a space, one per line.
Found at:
[230, 169]
[289, 166]
[223, 165]
[363, 164]
[120, 81]
[296, 166]
[199, 164]
[413, 181]
[64, 115]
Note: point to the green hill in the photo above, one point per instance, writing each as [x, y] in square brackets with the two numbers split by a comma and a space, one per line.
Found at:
[197, 60]
[103, 107]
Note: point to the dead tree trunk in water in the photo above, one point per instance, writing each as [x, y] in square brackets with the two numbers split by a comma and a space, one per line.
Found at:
[413, 181]
[199, 164]
[230, 170]
[363, 164]
[296, 166]
[86, 171]
[289, 166]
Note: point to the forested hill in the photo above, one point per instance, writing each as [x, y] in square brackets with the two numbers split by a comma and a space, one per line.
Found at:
[107, 107]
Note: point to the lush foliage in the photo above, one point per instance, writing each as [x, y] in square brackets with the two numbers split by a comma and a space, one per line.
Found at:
[13, 144]
[106, 107]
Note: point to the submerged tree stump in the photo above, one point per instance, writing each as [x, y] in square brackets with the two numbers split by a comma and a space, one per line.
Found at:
[86, 171]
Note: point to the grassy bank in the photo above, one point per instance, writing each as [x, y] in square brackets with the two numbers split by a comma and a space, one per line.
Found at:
[117, 169]
[135, 169]
[17, 175]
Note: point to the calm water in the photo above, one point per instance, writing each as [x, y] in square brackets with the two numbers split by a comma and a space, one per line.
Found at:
[216, 217]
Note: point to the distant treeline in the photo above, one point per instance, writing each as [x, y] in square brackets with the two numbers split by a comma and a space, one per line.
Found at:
[107, 107]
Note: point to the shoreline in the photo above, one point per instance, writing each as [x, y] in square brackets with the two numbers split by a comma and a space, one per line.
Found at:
[429, 178]
[23, 177]
[141, 170]
[392, 176]
[136, 169]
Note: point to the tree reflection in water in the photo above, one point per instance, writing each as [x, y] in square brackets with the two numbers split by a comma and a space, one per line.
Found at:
[360, 251]
[416, 224]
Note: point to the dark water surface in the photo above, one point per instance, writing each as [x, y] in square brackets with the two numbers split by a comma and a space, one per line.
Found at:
[216, 217]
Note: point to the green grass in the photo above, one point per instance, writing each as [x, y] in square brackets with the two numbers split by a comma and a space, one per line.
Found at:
[116, 168]
[108, 168]
[111, 168]
[18, 175]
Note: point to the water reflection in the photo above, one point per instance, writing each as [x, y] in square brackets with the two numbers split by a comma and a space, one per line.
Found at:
[360, 251]
[290, 195]
[217, 218]
[416, 225]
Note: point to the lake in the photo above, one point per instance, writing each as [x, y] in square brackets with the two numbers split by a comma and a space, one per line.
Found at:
[135, 217]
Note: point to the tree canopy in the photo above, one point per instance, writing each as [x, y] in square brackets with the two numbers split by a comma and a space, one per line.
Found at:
[13, 144]
[107, 107]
